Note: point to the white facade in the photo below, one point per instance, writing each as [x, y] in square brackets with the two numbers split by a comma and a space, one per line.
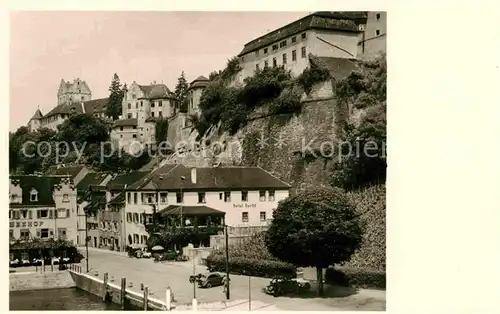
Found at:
[52, 221]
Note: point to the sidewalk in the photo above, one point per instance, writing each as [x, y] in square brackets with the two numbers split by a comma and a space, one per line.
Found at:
[106, 251]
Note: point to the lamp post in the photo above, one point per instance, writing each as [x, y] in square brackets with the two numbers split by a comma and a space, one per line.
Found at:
[86, 241]
[227, 262]
[183, 178]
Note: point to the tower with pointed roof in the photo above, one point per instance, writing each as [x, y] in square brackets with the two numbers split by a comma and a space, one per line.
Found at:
[73, 92]
[34, 123]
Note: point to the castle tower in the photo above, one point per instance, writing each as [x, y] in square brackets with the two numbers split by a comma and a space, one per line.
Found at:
[34, 123]
[77, 91]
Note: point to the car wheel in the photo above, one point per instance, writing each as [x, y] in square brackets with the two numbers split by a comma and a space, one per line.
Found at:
[208, 285]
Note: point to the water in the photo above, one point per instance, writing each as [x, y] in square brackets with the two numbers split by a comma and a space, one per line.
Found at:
[58, 300]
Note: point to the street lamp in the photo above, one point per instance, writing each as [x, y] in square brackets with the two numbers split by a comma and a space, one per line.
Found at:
[87, 239]
[183, 178]
[227, 261]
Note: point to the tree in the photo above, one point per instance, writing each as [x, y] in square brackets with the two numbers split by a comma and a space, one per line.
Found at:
[316, 228]
[161, 133]
[181, 92]
[114, 105]
[363, 161]
[83, 128]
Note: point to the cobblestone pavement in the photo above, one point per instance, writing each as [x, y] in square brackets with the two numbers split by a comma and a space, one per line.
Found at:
[159, 276]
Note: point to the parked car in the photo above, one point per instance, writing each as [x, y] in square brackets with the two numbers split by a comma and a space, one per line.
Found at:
[56, 260]
[36, 262]
[146, 254]
[14, 263]
[210, 280]
[282, 286]
[66, 260]
[25, 262]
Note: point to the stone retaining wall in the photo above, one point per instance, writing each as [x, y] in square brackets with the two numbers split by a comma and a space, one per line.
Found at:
[39, 281]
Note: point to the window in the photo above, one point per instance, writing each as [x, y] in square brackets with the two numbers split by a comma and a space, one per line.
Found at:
[134, 127]
[25, 234]
[34, 195]
[160, 114]
[180, 197]
[378, 16]
[134, 135]
[244, 196]
[136, 105]
[121, 128]
[11, 234]
[294, 39]
[159, 103]
[275, 47]
[129, 198]
[129, 116]
[227, 196]
[163, 198]
[201, 197]
[62, 213]
[262, 216]
[129, 106]
[43, 213]
[61, 233]
[66, 198]
[13, 197]
[262, 196]
[44, 233]
[284, 58]
[121, 135]
[271, 196]
[244, 217]
[377, 32]
[303, 52]
[257, 53]
[294, 55]
[257, 67]
[265, 50]
[135, 198]
[283, 44]
[220, 196]
[24, 213]
[266, 64]
[303, 35]
[149, 198]
[129, 217]
[133, 96]
[152, 104]
[136, 217]
[275, 63]
[152, 114]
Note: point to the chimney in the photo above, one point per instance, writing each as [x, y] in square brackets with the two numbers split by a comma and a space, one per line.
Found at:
[193, 175]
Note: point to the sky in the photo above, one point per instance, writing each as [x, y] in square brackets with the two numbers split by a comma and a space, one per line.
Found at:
[46, 47]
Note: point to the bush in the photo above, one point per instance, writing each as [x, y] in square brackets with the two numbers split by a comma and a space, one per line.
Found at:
[313, 75]
[359, 278]
[254, 247]
[251, 267]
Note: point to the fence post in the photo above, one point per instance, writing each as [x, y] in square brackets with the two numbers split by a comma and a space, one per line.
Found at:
[146, 295]
[122, 293]
[105, 287]
[168, 299]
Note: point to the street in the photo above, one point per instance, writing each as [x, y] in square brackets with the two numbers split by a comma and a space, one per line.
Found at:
[159, 276]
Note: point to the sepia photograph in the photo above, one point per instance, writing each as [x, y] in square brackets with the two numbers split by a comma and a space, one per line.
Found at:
[197, 160]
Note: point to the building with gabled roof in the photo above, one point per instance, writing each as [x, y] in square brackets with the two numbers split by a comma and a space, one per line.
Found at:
[322, 34]
[77, 91]
[42, 206]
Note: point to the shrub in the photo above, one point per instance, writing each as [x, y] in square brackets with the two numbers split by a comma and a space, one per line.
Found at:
[359, 278]
[313, 75]
[251, 267]
[253, 247]
[288, 101]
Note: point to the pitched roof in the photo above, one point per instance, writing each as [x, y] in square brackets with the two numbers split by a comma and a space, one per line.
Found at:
[155, 91]
[125, 122]
[339, 21]
[44, 185]
[72, 171]
[67, 108]
[38, 115]
[77, 86]
[201, 81]
[339, 67]
[219, 178]
[95, 105]
[120, 181]
[190, 210]
[118, 200]
[91, 179]
[160, 172]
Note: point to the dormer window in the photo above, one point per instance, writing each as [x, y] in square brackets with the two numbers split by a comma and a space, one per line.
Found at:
[33, 195]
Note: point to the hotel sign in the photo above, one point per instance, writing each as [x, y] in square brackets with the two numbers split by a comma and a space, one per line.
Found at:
[244, 205]
[25, 224]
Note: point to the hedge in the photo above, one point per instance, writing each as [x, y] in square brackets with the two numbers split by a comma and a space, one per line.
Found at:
[251, 267]
[360, 278]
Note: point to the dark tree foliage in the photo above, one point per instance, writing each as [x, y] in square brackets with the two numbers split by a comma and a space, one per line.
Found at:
[26, 153]
[161, 130]
[181, 92]
[83, 128]
[114, 105]
[366, 163]
[317, 228]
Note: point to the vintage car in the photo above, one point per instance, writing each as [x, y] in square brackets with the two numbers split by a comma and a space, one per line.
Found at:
[210, 280]
[283, 286]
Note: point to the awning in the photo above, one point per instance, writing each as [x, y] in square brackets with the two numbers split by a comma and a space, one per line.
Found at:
[190, 210]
